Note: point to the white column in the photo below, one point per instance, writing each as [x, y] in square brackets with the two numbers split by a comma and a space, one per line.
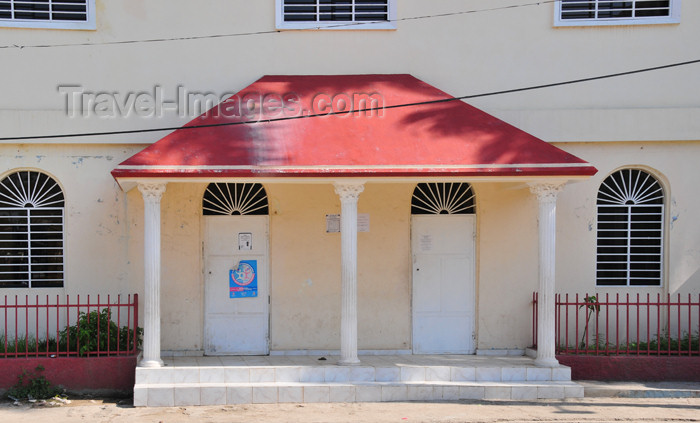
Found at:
[152, 193]
[349, 193]
[547, 198]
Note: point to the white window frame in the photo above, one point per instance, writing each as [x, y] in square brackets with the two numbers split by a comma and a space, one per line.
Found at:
[674, 17]
[335, 25]
[89, 24]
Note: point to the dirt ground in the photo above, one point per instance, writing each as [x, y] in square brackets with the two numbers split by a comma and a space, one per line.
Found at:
[580, 410]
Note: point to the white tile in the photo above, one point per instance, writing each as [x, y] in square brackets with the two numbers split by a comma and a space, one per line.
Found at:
[161, 375]
[342, 393]
[362, 374]
[524, 392]
[539, 374]
[212, 395]
[141, 376]
[550, 392]
[212, 375]
[387, 374]
[450, 393]
[161, 396]
[463, 374]
[365, 393]
[237, 375]
[185, 375]
[262, 374]
[412, 374]
[510, 374]
[291, 394]
[312, 374]
[287, 374]
[316, 394]
[561, 373]
[265, 395]
[437, 373]
[187, 395]
[488, 374]
[394, 393]
[471, 392]
[233, 361]
[497, 392]
[419, 393]
[239, 395]
[337, 374]
[140, 396]
[573, 392]
[208, 362]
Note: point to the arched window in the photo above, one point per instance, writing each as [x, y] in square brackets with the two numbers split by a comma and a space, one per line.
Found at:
[234, 199]
[443, 198]
[31, 231]
[630, 230]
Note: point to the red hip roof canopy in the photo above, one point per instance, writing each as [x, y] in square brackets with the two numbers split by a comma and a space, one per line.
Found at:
[348, 126]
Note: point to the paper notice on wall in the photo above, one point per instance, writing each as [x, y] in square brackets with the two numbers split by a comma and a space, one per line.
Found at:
[426, 243]
[333, 223]
[363, 222]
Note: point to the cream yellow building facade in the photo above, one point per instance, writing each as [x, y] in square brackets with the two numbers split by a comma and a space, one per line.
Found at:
[82, 81]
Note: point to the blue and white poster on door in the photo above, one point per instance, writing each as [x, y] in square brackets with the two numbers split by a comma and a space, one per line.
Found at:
[243, 280]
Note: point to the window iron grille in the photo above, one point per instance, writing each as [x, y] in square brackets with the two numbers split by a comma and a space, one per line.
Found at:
[630, 230]
[443, 198]
[234, 199]
[31, 231]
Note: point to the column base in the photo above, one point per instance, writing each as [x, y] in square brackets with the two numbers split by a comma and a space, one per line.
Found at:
[349, 362]
[546, 362]
[151, 363]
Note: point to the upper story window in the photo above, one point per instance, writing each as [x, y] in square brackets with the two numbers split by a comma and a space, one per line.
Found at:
[31, 231]
[630, 230]
[600, 12]
[336, 14]
[57, 14]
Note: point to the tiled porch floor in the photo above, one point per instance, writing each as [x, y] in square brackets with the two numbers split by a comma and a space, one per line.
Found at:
[272, 379]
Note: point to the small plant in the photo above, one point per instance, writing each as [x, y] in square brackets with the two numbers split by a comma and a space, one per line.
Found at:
[33, 386]
[592, 305]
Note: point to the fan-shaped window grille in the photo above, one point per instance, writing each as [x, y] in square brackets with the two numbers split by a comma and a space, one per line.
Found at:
[630, 230]
[443, 198]
[234, 199]
[31, 231]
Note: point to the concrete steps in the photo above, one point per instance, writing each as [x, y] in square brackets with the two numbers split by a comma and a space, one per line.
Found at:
[212, 381]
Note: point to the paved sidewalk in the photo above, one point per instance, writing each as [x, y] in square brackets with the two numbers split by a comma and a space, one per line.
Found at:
[595, 389]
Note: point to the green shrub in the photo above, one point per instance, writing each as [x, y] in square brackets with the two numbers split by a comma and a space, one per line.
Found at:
[97, 329]
[33, 386]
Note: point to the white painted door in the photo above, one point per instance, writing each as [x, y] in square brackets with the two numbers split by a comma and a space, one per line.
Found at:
[235, 326]
[443, 284]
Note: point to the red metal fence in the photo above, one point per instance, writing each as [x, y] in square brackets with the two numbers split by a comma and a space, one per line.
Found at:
[640, 325]
[36, 327]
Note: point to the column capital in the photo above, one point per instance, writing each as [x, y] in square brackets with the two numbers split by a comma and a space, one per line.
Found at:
[546, 191]
[349, 190]
[152, 191]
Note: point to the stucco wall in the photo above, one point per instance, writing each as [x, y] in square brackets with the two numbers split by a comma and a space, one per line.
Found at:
[305, 312]
[464, 54]
[97, 233]
[675, 167]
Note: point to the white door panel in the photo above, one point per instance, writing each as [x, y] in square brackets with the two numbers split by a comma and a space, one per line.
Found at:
[443, 284]
[235, 325]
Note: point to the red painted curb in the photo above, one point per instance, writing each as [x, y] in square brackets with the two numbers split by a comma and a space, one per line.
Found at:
[76, 374]
[627, 368]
